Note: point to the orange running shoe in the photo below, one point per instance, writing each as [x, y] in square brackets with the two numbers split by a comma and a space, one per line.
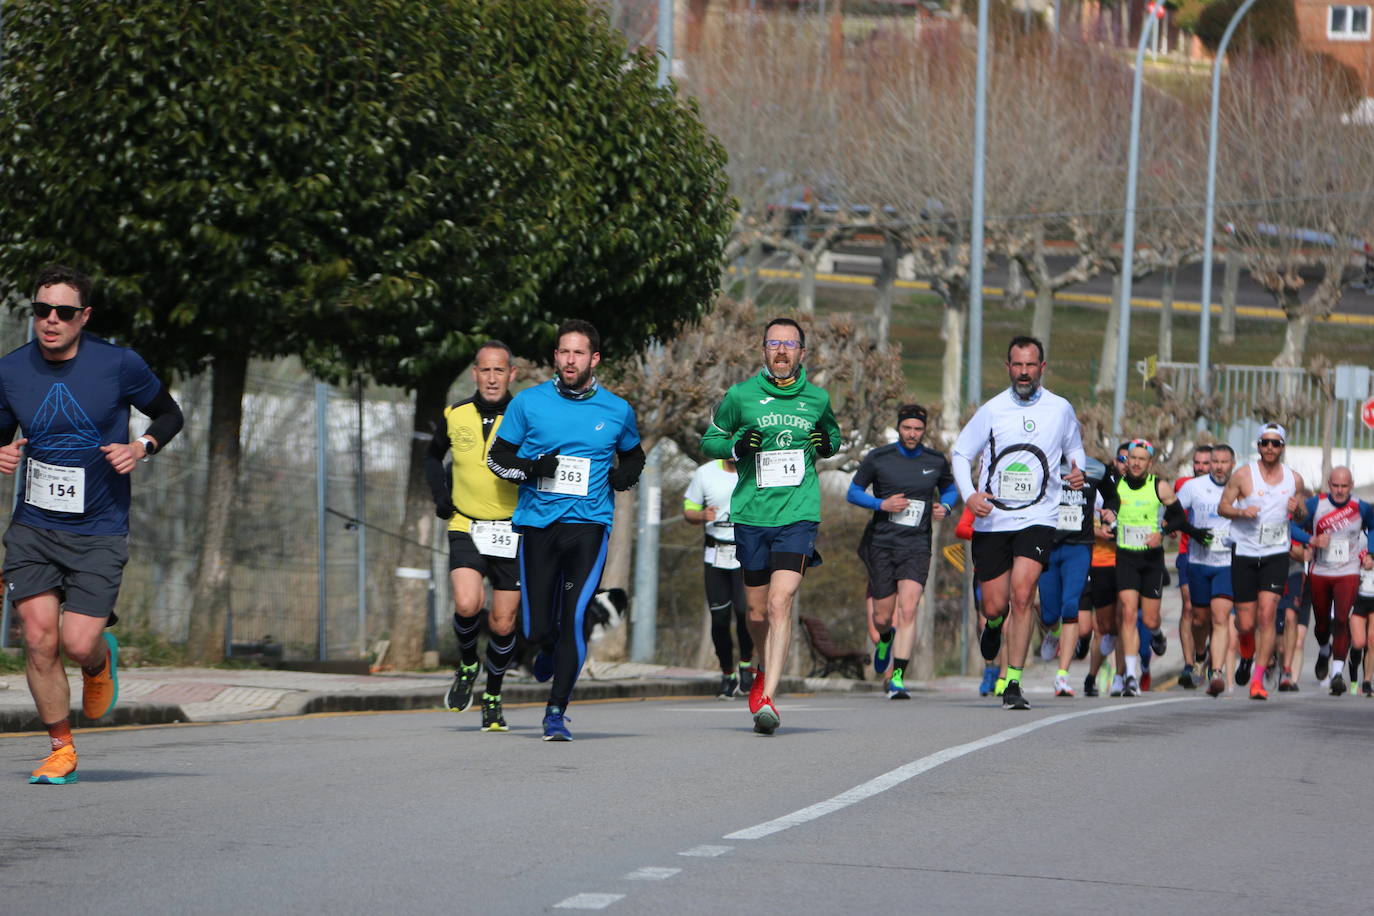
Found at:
[58, 770]
[101, 692]
[1257, 691]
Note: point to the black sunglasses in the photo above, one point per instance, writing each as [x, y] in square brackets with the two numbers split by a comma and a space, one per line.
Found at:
[1272, 443]
[65, 312]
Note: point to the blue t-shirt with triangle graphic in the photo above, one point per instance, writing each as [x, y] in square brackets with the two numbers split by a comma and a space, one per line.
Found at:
[68, 410]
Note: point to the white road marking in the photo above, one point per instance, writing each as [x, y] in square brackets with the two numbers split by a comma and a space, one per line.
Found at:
[915, 768]
[706, 852]
[723, 707]
[650, 873]
[588, 901]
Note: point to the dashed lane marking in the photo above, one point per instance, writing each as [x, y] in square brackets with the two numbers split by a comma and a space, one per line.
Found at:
[706, 852]
[650, 873]
[588, 901]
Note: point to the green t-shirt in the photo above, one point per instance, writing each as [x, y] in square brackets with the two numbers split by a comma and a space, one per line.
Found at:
[774, 489]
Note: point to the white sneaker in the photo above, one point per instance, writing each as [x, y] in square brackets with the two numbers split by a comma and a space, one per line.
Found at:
[1049, 647]
[1061, 686]
[1116, 685]
[1106, 645]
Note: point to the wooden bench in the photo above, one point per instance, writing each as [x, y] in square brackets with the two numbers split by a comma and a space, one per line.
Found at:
[829, 657]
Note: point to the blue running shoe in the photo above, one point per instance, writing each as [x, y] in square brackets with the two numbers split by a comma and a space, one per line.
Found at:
[543, 665]
[882, 653]
[555, 724]
[989, 681]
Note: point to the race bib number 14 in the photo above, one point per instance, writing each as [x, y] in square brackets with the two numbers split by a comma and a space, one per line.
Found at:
[783, 468]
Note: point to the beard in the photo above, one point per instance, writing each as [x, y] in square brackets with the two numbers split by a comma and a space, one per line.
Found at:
[580, 381]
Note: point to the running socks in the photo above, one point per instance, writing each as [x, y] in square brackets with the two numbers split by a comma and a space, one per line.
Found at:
[1013, 674]
[1133, 666]
[59, 733]
[899, 666]
[499, 652]
[465, 628]
[1246, 644]
[1063, 672]
[1337, 667]
[888, 635]
[997, 622]
[93, 672]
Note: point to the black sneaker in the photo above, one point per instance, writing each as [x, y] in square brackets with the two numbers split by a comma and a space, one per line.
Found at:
[1012, 698]
[492, 719]
[1185, 680]
[1367, 688]
[1158, 642]
[746, 679]
[1090, 686]
[1080, 651]
[1130, 687]
[1323, 665]
[729, 686]
[1243, 671]
[459, 696]
[1337, 685]
[990, 643]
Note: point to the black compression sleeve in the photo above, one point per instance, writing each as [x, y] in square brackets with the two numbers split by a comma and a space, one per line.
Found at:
[165, 413]
[504, 462]
[7, 433]
[434, 468]
[1111, 500]
[1176, 518]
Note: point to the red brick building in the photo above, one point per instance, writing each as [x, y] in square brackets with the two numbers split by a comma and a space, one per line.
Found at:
[1342, 30]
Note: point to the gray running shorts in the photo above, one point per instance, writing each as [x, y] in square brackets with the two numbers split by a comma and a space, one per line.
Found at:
[84, 569]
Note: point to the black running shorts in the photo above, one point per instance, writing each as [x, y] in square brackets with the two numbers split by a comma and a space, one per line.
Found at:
[503, 572]
[84, 569]
[1140, 571]
[995, 551]
[1252, 575]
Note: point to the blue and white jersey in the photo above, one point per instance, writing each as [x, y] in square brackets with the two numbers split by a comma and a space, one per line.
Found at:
[68, 410]
[585, 434]
[1200, 497]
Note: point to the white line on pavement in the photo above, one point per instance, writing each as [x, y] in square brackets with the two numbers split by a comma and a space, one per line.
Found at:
[650, 873]
[706, 852]
[588, 901]
[915, 768]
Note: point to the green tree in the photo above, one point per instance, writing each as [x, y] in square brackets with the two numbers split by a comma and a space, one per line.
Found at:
[1270, 24]
[375, 184]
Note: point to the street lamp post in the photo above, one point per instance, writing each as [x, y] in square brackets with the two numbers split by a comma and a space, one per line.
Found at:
[1153, 13]
[1204, 352]
[980, 146]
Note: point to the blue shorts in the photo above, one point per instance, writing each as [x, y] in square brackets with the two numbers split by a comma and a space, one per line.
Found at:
[1208, 582]
[760, 549]
[1061, 585]
[1181, 564]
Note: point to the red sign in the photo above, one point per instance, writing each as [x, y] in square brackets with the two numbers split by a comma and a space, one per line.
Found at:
[1367, 413]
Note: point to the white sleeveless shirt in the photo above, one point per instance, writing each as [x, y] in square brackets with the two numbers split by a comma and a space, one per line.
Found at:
[1267, 534]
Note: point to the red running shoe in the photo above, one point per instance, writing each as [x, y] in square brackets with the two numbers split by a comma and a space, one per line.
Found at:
[756, 691]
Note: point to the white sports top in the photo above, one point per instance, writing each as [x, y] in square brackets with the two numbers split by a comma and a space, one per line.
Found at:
[1268, 534]
[1019, 447]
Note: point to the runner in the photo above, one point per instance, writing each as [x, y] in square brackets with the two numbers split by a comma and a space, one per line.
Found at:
[1202, 462]
[559, 441]
[1295, 610]
[1021, 436]
[775, 425]
[992, 668]
[1359, 624]
[1063, 583]
[1342, 528]
[707, 503]
[481, 541]
[911, 485]
[1209, 570]
[1140, 555]
[1259, 499]
[65, 550]
[1098, 602]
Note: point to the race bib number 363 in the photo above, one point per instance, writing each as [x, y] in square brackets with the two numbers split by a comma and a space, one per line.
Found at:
[54, 488]
[571, 477]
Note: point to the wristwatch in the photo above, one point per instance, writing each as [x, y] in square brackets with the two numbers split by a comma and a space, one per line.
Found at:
[147, 447]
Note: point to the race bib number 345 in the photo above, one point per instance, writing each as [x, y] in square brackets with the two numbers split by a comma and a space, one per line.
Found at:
[494, 539]
[53, 487]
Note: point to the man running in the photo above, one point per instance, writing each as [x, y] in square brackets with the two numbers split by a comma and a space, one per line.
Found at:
[1140, 555]
[1259, 499]
[1063, 584]
[1359, 624]
[481, 541]
[1342, 529]
[1020, 436]
[1209, 570]
[911, 485]
[707, 503]
[68, 540]
[560, 441]
[774, 425]
[1202, 462]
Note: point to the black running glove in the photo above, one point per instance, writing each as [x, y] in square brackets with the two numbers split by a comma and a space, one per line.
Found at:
[445, 508]
[749, 444]
[544, 466]
[819, 441]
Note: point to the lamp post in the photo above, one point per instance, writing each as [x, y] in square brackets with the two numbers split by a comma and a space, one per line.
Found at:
[1153, 13]
[980, 145]
[1204, 351]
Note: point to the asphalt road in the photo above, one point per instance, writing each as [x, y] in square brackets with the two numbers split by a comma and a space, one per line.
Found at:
[1169, 803]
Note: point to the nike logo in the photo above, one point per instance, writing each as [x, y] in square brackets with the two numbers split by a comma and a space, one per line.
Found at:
[766, 400]
[927, 470]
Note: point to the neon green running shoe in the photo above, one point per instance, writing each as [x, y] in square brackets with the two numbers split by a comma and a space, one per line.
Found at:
[459, 696]
[492, 720]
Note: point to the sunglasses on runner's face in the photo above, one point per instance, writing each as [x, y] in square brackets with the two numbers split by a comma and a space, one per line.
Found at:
[65, 312]
[1272, 443]
[782, 344]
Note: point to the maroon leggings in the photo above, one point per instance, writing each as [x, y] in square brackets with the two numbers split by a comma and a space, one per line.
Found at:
[1333, 593]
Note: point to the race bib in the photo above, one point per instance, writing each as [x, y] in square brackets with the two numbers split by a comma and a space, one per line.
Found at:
[53, 487]
[725, 557]
[1136, 536]
[571, 477]
[495, 539]
[782, 468]
[1016, 485]
[1219, 552]
[911, 516]
[1070, 518]
[1275, 535]
[1337, 552]
[1367, 583]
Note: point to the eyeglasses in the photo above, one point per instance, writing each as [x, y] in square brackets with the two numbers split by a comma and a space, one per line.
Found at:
[65, 312]
[1272, 443]
[1120, 459]
[782, 344]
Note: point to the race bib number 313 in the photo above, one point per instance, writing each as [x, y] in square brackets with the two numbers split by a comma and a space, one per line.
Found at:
[53, 487]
